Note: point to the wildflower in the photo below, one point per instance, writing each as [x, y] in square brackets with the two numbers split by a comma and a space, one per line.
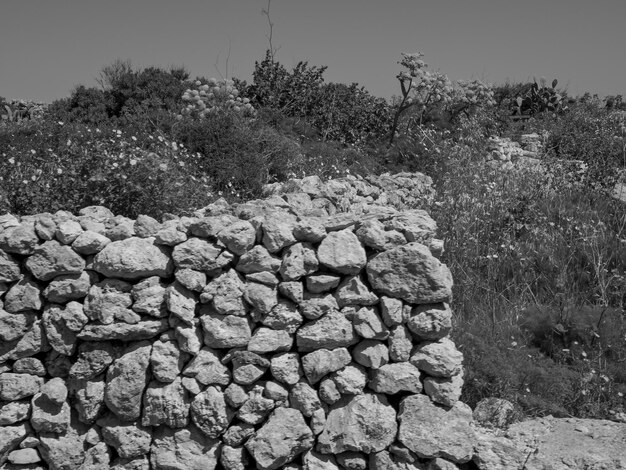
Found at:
[134, 138]
[132, 162]
[11, 160]
[163, 166]
[60, 123]
[59, 171]
[33, 152]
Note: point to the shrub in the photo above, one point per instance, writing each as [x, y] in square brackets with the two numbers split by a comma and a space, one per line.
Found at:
[239, 155]
[56, 166]
[85, 105]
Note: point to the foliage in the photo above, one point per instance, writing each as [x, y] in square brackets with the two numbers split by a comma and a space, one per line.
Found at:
[432, 97]
[538, 99]
[56, 166]
[85, 105]
[593, 135]
[215, 96]
[239, 155]
[16, 111]
[293, 93]
[518, 238]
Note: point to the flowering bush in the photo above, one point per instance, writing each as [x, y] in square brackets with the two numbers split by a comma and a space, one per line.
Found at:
[58, 166]
[213, 97]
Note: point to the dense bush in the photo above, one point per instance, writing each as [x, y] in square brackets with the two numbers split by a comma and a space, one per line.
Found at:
[52, 166]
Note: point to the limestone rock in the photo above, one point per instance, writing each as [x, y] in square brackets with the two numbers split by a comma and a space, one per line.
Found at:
[260, 296]
[210, 413]
[9, 267]
[17, 386]
[495, 412]
[226, 294]
[62, 324]
[50, 411]
[278, 231]
[430, 322]
[400, 343]
[181, 302]
[394, 378]
[368, 324]
[24, 457]
[110, 300]
[68, 287]
[13, 412]
[207, 369]
[24, 295]
[166, 361]
[315, 461]
[238, 237]
[134, 258]
[51, 259]
[319, 283]
[149, 297]
[372, 233]
[258, 259]
[439, 359]
[248, 367]
[88, 399]
[333, 330]
[445, 391]
[123, 331]
[371, 353]
[166, 404]
[410, 273]
[318, 364]
[89, 243]
[285, 367]
[284, 316]
[20, 239]
[183, 449]
[127, 378]
[391, 311]
[255, 410]
[350, 380]
[130, 440]
[298, 260]
[64, 451]
[315, 306]
[224, 331]
[209, 227]
[362, 423]
[192, 280]
[280, 440]
[431, 431]
[352, 291]
[304, 398]
[267, 340]
[93, 359]
[342, 252]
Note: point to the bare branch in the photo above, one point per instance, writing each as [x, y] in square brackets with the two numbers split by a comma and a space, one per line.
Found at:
[266, 12]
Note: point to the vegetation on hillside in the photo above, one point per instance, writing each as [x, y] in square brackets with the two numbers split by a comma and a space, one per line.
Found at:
[539, 260]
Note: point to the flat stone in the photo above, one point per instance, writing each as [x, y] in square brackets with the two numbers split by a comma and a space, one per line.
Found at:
[24, 457]
[258, 259]
[353, 291]
[89, 243]
[134, 258]
[123, 331]
[14, 412]
[319, 283]
[267, 340]
[224, 331]
[191, 279]
[410, 273]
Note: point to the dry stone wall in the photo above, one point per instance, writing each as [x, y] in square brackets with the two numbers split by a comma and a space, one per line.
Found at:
[308, 330]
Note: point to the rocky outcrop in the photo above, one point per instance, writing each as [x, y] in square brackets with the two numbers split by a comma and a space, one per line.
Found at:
[306, 330]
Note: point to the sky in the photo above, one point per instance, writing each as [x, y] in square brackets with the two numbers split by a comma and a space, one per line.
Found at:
[47, 47]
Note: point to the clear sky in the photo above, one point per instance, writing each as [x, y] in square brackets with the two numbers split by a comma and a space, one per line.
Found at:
[49, 46]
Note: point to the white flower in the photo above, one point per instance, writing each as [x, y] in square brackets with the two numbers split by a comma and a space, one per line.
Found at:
[33, 152]
[59, 171]
[11, 160]
[132, 161]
